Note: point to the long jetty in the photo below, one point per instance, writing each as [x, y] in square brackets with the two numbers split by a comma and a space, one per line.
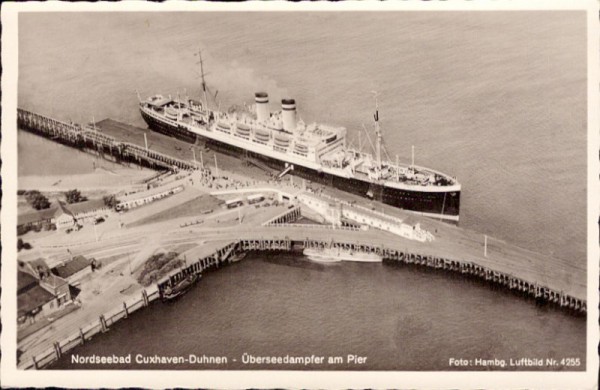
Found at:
[524, 273]
[90, 139]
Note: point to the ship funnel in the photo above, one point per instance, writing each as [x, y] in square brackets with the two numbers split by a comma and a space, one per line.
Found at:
[288, 106]
[262, 103]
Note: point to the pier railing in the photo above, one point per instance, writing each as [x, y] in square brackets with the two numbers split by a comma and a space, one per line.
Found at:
[288, 216]
[86, 138]
[315, 226]
[86, 332]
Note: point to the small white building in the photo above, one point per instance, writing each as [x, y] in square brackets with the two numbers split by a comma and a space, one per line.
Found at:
[63, 218]
[334, 212]
[330, 212]
[88, 211]
[142, 198]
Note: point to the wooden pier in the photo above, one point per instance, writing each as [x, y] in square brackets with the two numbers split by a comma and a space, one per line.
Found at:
[541, 293]
[90, 139]
[86, 332]
[281, 234]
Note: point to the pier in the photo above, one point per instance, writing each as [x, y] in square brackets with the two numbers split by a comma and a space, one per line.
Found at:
[292, 241]
[92, 140]
[543, 279]
[282, 238]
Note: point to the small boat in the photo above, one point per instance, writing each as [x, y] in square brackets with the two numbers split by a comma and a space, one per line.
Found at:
[332, 255]
[180, 288]
[238, 257]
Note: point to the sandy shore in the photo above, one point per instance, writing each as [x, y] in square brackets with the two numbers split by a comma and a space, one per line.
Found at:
[99, 179]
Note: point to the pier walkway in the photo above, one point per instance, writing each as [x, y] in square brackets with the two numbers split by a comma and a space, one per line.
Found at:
[512, 263]
[90, 138]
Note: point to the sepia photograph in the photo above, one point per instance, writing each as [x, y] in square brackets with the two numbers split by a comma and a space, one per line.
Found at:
[338, 190]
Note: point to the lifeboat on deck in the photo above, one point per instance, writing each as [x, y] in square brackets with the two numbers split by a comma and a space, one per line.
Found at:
[301, 148]
[282, 141]
[171, 113]
[224, 127]
[243, 130]
[262, 135]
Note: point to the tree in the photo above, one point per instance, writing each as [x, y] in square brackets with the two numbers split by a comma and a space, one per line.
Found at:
[110, 201]
[22, 245]
[74, 196]
[48, 226]
[23, 229]
[37, 200]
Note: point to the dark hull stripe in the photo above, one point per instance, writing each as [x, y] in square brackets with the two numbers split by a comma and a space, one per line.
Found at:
[446, 203]
[169, 130]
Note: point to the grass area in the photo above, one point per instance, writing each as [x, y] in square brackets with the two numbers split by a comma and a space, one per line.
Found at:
[192, 207]
[157, 266]
[183, 248]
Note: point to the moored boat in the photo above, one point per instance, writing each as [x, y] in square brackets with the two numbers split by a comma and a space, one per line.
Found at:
[238, 257]
[184, 285]
[333, 255]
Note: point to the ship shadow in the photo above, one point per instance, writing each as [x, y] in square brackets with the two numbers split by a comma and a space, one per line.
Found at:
[294, 259]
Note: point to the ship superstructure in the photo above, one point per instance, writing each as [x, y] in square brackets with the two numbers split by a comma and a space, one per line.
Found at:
[314, 151]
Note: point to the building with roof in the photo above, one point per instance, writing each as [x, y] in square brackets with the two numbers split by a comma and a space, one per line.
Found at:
[142, 198]
[36, 268]
[33, 303]
[57, 286]
[63, 218]
[25, 282]
[63, 215]
[36, 218]
[88, 211]
[34, 300]
[74, 269]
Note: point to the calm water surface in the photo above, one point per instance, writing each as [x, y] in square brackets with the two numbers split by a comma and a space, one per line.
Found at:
[400, 319]
[492, 98]
[40, 156]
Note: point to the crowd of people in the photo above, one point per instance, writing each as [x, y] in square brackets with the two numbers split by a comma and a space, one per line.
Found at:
[226, 180]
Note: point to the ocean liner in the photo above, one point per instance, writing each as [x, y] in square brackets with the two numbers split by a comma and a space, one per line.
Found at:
[316, 152]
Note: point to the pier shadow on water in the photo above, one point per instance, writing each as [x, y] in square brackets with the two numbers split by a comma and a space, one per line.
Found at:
[294, 259]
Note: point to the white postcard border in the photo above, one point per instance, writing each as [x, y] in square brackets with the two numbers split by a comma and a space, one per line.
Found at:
[292, 379]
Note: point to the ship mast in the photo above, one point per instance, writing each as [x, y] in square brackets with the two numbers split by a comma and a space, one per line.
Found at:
[201, 63]
[377, 132]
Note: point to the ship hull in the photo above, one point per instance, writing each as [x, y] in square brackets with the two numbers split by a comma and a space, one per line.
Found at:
[167, 129]
[440, 204]
[333, 256]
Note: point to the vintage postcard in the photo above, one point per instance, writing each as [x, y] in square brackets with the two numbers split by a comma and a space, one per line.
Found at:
[381, 195]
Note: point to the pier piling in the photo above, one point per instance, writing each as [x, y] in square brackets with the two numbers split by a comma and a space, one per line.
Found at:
[86, 139]
[103, 326]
